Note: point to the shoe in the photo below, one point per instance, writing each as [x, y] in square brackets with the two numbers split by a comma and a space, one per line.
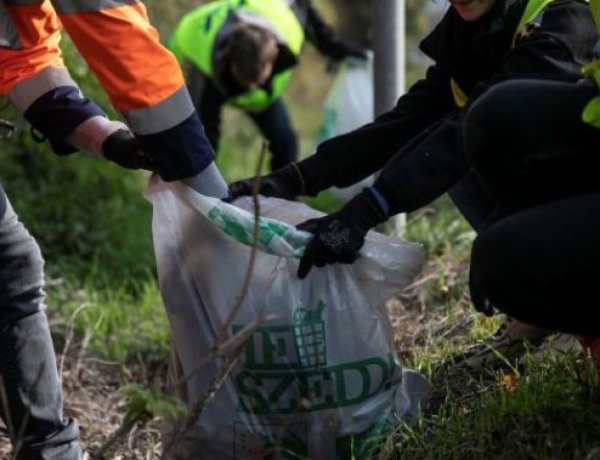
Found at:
[556, 345]
[508, 343]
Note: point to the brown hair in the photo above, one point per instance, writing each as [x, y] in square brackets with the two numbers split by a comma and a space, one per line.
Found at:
[248, 51]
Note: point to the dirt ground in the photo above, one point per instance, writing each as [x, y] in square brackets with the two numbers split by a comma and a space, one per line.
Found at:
[92, 394]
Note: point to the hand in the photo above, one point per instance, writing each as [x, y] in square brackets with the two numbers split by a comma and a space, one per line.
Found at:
[350, 50]
[286, 183]
[339, 236]
[123, 148]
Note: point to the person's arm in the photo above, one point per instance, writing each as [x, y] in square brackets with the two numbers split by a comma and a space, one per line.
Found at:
[349, 158]
[33, 77]
[324, 37]
[143, 81]
[556, 49]
[346, 159]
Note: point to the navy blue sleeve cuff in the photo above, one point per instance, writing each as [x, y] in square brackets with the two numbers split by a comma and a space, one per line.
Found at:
[378, 198]
[180, 152]
[58, 112]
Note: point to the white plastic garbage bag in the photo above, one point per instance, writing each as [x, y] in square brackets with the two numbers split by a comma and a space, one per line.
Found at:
[349, 104]
[320, 379]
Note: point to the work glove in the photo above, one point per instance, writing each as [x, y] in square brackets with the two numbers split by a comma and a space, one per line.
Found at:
[347, 49]
[123, 148]
[339, 236]
[286, 183]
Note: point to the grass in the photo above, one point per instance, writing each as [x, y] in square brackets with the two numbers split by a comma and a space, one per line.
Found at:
[118, 325]
[544, 411]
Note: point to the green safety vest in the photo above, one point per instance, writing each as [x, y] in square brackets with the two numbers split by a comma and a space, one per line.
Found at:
[591, 113]
[195, 37]
[532, 10]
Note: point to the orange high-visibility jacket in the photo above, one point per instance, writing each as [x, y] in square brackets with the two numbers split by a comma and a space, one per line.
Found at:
[142, 78]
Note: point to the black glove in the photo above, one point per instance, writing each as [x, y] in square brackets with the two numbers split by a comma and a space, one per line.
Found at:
[350, 50]
[339, 236]
[286, 183]
[123, 148]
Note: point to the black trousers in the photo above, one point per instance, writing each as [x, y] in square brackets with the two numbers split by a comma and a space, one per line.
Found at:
[537, 260]
[274, 123]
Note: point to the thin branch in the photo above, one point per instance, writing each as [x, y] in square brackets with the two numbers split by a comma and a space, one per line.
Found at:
[242, 336]
[223, 349]
[246, 286]
[115, 438]
[69, 337]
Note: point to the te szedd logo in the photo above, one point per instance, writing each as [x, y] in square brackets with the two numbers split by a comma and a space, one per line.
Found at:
[286, 370]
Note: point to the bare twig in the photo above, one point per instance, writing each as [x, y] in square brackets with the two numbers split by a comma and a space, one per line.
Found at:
[115, 439]
[221, 350]
[235, 344]
[246, 286]
[69, 337]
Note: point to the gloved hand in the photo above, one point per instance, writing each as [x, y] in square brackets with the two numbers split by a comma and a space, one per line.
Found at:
[347, 49]
[123, 148]
[286, 183]
[339, 236]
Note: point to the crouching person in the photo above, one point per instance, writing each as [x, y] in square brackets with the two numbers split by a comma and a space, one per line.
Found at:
[537, 259]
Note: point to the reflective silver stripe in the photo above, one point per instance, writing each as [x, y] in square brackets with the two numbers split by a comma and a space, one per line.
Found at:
[9, 38]
[28, 91]
[87, 6]
[168, 113]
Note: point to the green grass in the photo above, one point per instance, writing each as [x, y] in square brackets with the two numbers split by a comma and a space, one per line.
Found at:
[115, 323]
[545, 411]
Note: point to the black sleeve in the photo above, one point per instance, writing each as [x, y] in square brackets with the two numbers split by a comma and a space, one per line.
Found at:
[323, 37]
[555, 49]
[346, 159]
[208, 102]
[425, 169]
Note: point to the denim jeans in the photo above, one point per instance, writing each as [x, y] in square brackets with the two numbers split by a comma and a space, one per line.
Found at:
[34, 410]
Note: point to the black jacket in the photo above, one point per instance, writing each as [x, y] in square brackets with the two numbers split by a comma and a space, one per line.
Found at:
[418, 141]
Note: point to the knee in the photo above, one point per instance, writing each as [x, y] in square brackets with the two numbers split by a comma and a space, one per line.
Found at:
[487, 121]
[21, 271]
